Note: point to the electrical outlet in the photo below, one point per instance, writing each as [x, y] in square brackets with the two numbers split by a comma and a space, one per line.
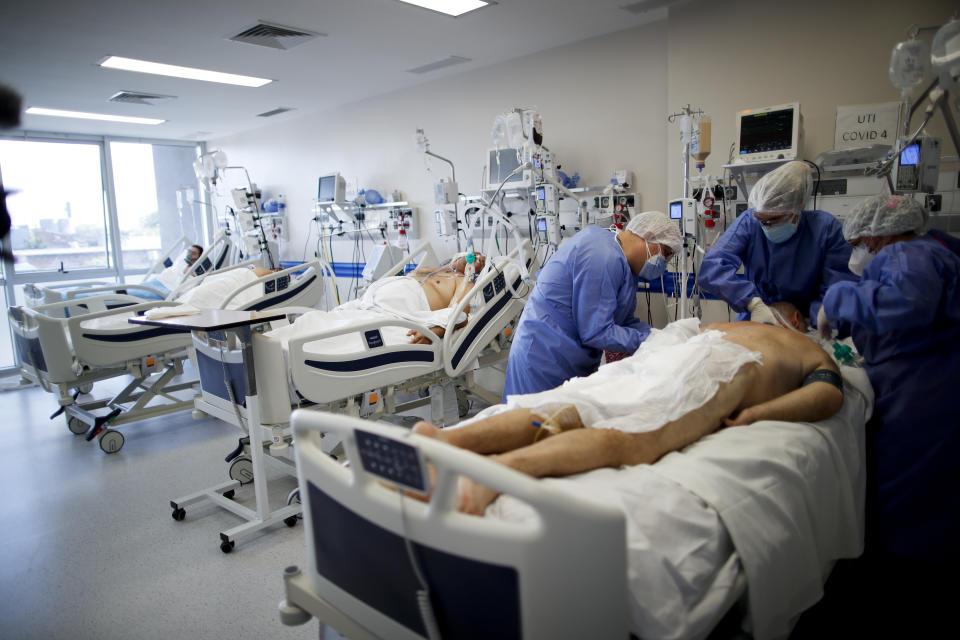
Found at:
[933, 202]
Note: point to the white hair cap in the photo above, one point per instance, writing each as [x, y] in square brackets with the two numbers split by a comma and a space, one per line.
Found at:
[784, 190]
[884, 215]
[656, 227]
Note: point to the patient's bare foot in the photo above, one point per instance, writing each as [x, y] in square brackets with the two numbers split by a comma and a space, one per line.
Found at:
[424, 428]
[473, 497]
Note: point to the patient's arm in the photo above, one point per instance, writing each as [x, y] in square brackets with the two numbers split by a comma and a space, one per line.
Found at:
[809, 403]
[419, 338]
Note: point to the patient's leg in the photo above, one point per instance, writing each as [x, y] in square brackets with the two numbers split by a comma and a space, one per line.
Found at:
[587, 449]
[502, 432]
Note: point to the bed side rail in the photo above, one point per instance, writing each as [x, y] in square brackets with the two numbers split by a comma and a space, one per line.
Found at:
[169, 256]
[325, 377]
[424, 256]
[569, 562]
[495, 300]
[286, 287]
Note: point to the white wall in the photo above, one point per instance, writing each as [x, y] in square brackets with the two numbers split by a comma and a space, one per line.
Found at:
[603, 104]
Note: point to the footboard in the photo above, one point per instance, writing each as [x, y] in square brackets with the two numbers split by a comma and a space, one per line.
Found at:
[371, 551]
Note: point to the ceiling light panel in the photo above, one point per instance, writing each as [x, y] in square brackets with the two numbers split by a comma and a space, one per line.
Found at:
[450, 7]
[60, 113]
[191, 73]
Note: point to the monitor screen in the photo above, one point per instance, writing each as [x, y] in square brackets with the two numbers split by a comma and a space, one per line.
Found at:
[910, 157]
[542, 224]
[327, 190]
[766, 131]
[502, 162]
[541, 193]
[676, 210]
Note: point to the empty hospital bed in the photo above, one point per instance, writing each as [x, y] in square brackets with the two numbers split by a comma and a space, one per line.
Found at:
[745, 523]
[214, 257]
[67, 346]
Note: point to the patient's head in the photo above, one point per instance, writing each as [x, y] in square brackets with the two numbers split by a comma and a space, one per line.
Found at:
[193, 254]
[460, 263]
[791, 314]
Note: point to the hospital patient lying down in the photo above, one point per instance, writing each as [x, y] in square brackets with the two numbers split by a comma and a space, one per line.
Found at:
[427, 296]
[678, 387]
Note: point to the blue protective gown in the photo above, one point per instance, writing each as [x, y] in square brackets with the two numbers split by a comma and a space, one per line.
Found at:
[583, 303]
[904, 316]
[798, 270]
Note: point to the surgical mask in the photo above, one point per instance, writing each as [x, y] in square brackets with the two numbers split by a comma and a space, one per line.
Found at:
[780, 232]
[654, 267]
[860, 257]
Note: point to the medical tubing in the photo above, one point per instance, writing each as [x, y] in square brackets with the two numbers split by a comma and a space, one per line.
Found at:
[423, 594]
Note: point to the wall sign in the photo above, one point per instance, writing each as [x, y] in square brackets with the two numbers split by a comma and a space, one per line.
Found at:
[864, 125]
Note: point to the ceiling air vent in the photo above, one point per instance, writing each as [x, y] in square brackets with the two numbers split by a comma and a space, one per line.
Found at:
[647, 5]
[139, 97]
[274, 36]
[439, 64]
[274, 112]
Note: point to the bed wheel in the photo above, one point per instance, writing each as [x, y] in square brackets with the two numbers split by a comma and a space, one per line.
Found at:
[463, 403]
[111, 441]
[196, 414]
[228, 494]
[179, 514]
[241, 470]
[291, 521]
[85, 388]
[227, 546]
[293, 496]
[76, 425]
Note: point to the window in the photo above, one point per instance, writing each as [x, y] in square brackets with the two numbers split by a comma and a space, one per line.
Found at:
[57, 207]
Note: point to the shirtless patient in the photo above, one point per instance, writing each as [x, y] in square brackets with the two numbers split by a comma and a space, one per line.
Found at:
[777, 389]
[444, 288]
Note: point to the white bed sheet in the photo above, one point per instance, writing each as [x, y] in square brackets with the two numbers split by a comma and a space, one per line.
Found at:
[777, 502]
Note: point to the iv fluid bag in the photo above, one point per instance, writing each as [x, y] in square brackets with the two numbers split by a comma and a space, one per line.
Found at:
[909, 64]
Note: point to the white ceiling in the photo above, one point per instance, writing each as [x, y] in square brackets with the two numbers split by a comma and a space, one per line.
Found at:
[49, 50]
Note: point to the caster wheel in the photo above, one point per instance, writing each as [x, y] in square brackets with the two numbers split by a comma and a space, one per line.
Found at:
[291, 521]
[227, 546]
[228, 494]
[76, 425]
[293, 496]
[111, 441]
[241, 470]
[196, 414]
[463, 403]
[85, 388]
[179, 514]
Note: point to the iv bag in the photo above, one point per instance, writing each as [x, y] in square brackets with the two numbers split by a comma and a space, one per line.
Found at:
[945, 55]
[909, 64]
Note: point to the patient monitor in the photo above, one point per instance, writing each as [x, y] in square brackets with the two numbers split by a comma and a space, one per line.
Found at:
[332, 188]
[684, 212]
[769, 133]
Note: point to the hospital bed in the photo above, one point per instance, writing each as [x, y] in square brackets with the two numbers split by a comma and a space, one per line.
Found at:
[361, 369]
[67, 346]
[215, 256]
[744, 524]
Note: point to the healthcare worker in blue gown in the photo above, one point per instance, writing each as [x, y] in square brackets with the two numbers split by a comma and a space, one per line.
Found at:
[787, 253]
[904, 318]
[584, 302]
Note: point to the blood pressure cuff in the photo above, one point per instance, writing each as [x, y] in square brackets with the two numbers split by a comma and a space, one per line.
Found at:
[824, 375]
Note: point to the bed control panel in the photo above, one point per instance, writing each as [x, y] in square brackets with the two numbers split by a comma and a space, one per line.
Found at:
[269, 286]
[283, 282]
[488, 293]
[394, 461]
[373, 338]
[500, 283]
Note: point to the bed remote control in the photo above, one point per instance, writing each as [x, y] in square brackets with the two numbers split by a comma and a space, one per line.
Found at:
[394, 461]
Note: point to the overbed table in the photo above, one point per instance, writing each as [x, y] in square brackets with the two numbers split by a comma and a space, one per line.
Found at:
[242, 324]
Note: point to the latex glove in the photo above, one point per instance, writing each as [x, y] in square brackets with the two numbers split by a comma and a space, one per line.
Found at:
[760, 312]
[823, 324]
